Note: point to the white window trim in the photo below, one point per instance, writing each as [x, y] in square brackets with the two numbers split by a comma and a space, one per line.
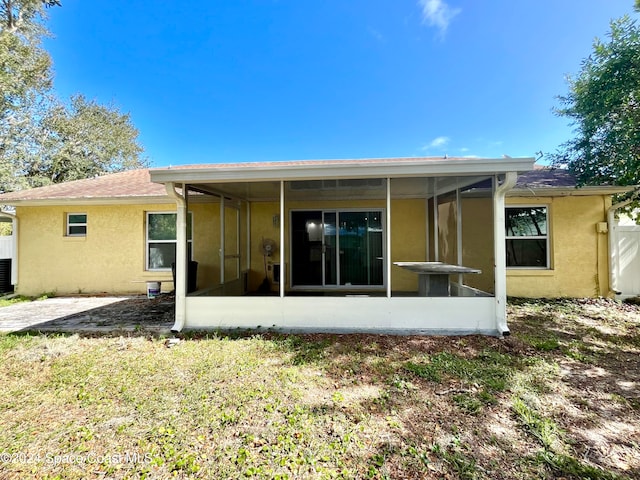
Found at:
[147, 241]
[546, 237]
[69, 225]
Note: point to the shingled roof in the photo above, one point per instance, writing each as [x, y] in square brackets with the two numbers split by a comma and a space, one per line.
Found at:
[543, 177]
[132, 183]
[136, 184]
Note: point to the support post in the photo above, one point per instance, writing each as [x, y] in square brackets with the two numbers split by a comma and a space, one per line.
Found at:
[181, 254]
[222, 235]
[388, 252]
[500, 250]
[436, 226]
[248, 261]
[238, 269]
[459, 231]
[282, 224]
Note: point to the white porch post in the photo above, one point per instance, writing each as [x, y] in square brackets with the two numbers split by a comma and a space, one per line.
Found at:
[459, 231]
[181, 254]
[222, 235]
[500, 251]
[237, 253]
[436, 226]
[388, 252]
[282, 224]
[248, 261]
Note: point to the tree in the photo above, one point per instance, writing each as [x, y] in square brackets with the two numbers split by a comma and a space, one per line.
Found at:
[43, 139]
[603, 104]
[85, 139]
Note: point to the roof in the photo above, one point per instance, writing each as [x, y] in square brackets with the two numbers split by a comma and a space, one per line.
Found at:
[335, 169]
[550, 181]
[122, 185]
[136, 186]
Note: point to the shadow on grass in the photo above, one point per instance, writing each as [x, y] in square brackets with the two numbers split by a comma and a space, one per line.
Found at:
[446, 406]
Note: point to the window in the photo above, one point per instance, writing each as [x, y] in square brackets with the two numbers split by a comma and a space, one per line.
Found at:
[161, 239]
[527, 237]
[76, 224]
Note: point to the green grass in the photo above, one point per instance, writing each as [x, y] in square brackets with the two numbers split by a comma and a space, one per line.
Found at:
[5, 302]
[326, 406]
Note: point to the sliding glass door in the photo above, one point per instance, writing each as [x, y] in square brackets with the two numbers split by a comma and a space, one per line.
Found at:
[337, 248]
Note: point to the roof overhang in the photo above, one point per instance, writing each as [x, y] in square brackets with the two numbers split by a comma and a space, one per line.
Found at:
[340, 169]
[570, 191]
[125, 200]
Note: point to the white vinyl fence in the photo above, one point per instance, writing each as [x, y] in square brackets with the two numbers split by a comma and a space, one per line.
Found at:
[6, 246]
[627, 260]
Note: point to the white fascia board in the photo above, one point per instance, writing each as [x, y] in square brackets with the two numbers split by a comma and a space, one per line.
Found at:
[568, 191]
[48, 202]
[336, 170]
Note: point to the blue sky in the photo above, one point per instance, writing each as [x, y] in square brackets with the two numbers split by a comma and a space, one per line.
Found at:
[261, 80]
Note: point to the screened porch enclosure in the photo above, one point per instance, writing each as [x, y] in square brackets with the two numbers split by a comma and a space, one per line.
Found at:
[383, 245]
[342, 237]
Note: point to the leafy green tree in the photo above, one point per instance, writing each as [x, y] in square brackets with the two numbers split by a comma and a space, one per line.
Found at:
[603, 104]
[45, 140]
[86, 139]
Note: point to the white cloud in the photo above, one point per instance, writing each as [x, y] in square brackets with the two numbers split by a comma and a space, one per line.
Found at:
[437, 13]
[438, 142]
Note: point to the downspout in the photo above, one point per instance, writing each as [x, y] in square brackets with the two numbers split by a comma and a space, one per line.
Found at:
[181, 255]
[500, 253]
[613, 248]
[14, 234]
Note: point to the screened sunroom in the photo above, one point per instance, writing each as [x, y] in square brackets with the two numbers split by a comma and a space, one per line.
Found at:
[411, 245]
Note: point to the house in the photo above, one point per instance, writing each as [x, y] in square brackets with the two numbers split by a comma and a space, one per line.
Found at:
[322, 245]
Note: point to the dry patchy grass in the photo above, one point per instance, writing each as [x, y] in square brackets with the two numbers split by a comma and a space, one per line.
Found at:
[557, 399]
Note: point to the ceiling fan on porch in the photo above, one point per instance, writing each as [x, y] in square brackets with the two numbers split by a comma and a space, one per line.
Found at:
[267, 247]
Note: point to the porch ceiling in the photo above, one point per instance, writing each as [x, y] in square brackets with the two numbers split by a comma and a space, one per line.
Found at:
[339, 189]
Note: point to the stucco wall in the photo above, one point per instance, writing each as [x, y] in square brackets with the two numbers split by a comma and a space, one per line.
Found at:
[579, 254]
[110, 258]
[477, 242]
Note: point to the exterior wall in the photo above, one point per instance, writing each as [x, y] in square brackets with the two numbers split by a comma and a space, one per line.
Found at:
[262, 226]
[477, 242]
[408, 241]
[112, 255]
[579, 254]
[109, 259]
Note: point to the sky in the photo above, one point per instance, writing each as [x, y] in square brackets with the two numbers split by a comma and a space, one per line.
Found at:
[226, 81]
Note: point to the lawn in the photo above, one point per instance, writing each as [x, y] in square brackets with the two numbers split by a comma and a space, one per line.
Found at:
[559, 398]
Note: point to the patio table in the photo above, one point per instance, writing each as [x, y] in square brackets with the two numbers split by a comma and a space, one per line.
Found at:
[433, 277]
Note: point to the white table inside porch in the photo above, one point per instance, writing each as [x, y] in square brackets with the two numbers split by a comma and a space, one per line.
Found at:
[433, 277]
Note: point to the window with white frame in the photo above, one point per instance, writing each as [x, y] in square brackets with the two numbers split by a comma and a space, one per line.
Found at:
[76, 224]
[161, 239]
[527, 234]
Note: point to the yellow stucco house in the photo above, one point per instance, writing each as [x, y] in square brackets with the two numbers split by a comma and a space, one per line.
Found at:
[423, 245]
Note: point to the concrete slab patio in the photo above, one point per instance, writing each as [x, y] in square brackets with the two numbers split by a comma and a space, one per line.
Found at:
[84, 314]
